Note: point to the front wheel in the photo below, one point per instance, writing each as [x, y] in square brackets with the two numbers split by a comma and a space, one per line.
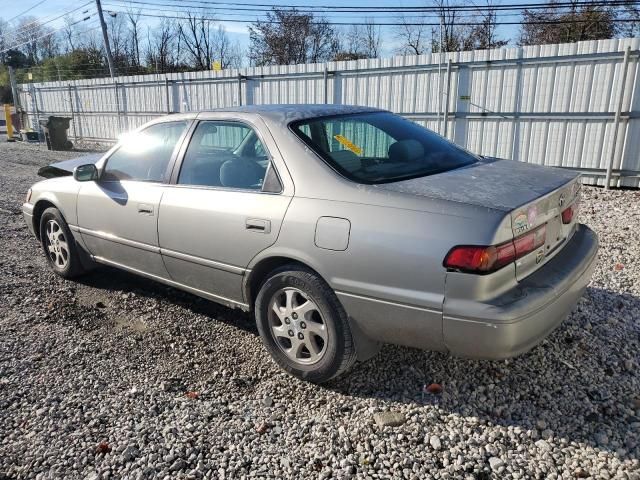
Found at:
[59, 245]
[303, 325]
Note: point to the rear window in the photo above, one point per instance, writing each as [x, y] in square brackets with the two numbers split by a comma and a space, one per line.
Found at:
[380, 147]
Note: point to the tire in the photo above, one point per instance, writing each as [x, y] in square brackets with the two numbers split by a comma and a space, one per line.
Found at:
[58, 244]
[303, 325]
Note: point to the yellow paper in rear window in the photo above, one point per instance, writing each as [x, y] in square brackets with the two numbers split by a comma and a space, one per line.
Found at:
[348, 144]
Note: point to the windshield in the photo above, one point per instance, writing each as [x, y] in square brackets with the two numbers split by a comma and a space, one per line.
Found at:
[380, 147]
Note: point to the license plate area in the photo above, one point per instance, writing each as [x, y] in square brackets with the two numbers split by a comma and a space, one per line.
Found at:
[554, 234]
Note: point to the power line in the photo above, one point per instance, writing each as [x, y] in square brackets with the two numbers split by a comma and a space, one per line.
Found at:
[342, 14]
[416, 24]
[26, 11]
[23, 30]
[48, 34]
[381, 9]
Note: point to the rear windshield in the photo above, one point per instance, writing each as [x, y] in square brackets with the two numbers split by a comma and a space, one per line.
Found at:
[380, 147]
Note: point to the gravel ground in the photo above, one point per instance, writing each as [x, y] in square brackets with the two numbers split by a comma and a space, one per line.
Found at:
[114, 376]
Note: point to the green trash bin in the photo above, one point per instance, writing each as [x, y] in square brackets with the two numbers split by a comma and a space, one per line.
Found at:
[55, 132]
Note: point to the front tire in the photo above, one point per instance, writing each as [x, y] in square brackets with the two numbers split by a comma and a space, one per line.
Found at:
[59, 245]
[303, 325]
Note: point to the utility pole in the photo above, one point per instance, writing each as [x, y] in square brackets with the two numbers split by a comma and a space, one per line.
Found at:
[105, 37]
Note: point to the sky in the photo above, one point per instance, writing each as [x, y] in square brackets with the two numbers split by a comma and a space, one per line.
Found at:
[50, 9]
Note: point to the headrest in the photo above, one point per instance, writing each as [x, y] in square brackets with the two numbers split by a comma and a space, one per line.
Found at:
[240, 174]
[347, 160]
[406, 151]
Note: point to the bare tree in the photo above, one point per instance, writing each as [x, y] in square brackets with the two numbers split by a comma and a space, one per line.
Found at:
[288, 36]
[413, 38]
[484, 35]
[118, 39]
[90, 40]
[195, 34]
[161, 47]
[133, 19]
[69, 33]
[450, 35]
[363, 40]
[48, 45]
[4, 40]
[563, 25]
[37, 41]
[224, 51]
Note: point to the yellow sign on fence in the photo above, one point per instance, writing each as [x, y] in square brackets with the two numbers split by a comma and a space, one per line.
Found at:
[216, 65]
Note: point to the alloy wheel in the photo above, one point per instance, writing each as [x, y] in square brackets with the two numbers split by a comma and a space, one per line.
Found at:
[298, 326]
[56, 245]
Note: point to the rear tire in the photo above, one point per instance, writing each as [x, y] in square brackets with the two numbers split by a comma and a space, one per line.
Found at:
[58, 244]
[303, 325]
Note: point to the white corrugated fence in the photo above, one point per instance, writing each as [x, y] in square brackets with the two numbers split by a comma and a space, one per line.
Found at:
[568, 105]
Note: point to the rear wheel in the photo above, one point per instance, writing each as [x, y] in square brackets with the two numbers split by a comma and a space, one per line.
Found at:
[303, 325]
[59, 245]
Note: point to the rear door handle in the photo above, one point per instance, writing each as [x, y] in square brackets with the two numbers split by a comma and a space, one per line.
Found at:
[145, 209]
[258, 225]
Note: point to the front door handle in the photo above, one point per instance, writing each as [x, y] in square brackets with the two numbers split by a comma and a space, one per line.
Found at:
[145, 209]
[258, 225]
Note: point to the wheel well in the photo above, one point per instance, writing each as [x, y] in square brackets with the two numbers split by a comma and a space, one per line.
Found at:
[38, 209]
[260, 272]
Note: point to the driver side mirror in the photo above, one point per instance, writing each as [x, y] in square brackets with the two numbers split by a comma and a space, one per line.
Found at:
[85, 173]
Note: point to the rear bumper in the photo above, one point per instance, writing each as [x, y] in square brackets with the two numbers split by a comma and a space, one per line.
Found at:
[519, 319]
[27, 213]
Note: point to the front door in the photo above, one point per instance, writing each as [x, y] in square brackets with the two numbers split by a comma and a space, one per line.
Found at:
[226, 206]
[118, 214]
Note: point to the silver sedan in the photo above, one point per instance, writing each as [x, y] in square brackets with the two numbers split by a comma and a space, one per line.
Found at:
[339, 228]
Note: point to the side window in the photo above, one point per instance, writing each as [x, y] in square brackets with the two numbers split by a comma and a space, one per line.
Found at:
[224, 154]
[145, 155]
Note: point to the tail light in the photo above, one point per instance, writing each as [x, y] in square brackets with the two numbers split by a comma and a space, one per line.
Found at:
[568, 213]
[479, 259]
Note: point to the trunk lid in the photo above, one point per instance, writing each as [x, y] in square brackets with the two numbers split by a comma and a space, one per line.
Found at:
[530, 194]
[546, 212]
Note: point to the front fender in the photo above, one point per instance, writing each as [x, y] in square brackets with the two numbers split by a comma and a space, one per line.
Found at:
[62, 193]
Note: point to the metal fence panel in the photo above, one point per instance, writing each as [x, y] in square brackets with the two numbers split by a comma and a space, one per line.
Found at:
[544, 104]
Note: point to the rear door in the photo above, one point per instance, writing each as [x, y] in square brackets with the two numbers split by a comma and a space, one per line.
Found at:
[226, 203]
[118, 214]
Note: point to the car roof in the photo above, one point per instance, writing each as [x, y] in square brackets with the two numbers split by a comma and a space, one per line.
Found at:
[287, 113]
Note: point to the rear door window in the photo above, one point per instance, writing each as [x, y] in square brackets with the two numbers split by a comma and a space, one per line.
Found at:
[224, 154]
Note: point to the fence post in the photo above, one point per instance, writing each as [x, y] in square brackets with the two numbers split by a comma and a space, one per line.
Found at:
[462, 106]
[34, 96]
[446, 100]
[239, 89]
[616, 121]
[115, 86]
[166, 93]
[325, 79]
[515, 148]
[73, 121]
